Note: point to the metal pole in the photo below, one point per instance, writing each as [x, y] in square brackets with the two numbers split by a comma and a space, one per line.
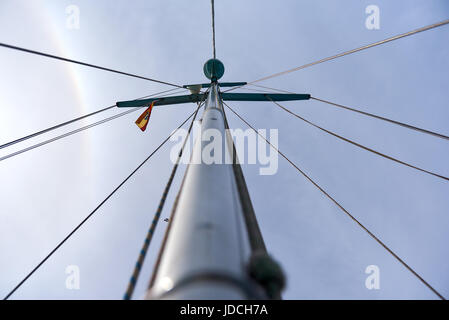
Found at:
[206, 249]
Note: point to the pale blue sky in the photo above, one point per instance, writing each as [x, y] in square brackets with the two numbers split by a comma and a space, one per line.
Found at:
[44, 193]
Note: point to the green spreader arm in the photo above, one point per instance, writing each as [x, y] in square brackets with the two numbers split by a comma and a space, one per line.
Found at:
[225, 96]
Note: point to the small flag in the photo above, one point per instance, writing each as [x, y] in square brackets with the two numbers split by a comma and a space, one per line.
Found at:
[142, 121]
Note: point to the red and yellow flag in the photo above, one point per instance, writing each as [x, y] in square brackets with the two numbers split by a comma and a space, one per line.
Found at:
[142, 121]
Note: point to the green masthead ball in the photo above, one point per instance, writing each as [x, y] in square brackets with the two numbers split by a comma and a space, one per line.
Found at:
[213, 69]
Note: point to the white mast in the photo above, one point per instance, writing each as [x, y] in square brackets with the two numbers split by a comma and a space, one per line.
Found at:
[207, 248]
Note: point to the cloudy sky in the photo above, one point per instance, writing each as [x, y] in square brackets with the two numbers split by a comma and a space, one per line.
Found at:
[45, 192]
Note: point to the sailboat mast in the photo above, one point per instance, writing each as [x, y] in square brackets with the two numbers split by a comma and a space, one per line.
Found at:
[206, 249]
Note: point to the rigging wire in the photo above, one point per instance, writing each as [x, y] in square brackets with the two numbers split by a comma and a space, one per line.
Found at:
[402, 124]
[342, 208]
[85, 64]
[213, 28]
[8, 144]
[396, 37]
[274, 89]
[257, 90]
[178, 91]
[93, 211]
[40, 144]
[140, 260]
[359, 145]
[384, 119]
